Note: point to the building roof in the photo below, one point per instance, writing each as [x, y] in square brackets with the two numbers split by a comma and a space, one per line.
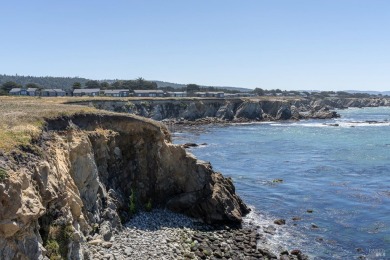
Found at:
[115, 91]
[15, 90]
[48, 90]
[86, 90]
[59, 90]
[32, 89]
[149, 91]
[219, 92]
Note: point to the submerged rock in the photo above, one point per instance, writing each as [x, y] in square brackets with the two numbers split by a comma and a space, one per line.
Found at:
[280, 222]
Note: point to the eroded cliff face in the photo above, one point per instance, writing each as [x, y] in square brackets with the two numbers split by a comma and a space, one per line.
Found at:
[77, 180]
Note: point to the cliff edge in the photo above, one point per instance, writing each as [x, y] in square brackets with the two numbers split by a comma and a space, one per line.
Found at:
[77, 177]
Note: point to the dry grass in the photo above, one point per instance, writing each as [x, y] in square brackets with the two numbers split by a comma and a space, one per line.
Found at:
[22, 118]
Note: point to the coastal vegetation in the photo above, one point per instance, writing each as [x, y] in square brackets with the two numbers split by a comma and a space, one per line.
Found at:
[132, 203]
[57, 243]
[148, 205]
[3, 174]
[22, 119]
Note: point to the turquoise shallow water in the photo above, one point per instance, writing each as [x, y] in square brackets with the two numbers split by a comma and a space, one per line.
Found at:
[341, 172]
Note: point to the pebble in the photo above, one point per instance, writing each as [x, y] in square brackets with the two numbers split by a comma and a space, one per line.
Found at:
[161, 234]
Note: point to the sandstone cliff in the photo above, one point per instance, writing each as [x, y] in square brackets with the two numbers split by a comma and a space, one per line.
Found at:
[76, 180]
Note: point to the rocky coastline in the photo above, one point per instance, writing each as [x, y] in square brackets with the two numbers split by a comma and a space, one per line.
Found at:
[195, 111]
[72, 191]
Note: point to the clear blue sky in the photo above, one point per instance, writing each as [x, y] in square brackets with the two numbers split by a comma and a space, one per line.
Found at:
[286, 44]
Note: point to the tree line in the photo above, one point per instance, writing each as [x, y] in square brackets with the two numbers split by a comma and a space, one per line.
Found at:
[139, 83]
[43, 82]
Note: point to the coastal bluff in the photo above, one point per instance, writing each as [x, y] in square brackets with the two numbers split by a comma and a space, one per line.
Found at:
[82, 175]
[203, 111]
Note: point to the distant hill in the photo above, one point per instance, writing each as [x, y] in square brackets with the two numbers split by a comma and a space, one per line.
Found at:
[67, 82]
[44, 82]
[162, 84]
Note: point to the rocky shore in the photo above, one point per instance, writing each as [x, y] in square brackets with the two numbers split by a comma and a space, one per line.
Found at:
[197, 111]
[68, 192]
[161, 234]
[206, 111]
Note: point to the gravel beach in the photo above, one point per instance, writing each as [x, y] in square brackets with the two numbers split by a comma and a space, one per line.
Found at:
[161, 234]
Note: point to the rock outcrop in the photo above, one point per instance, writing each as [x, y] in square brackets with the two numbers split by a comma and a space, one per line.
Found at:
[218, 110]
[77, 181]
[236, 110]
[249, 110]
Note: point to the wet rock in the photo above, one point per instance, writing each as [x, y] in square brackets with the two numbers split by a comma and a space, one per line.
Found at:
[280, 222]
[270, 230]
[284, 257]
[296, 252]
[189, 145]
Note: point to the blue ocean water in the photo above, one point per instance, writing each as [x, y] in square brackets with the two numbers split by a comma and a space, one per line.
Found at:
[340, 172]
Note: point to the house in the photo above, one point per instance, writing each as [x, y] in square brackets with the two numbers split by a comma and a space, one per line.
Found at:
[23, 92]
[32, 92]
[235, 95]
[15, 91]
[117, 93]
[177, 94]
[216, 94]
[60, 92]
[68, 92]
[86, 92]
[200, 94]
[48, 92]
[210, 94]
[245, 94]
[148, 93]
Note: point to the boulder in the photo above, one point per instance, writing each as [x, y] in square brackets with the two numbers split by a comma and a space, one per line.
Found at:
[284, 113]
[249, 110]
[225, 112]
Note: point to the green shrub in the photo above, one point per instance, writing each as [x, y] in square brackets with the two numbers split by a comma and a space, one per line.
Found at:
[148, 206]
[59, 238]
[53, 250]
[3, 174]
[95, 228]
[132, 204]
[129, 106]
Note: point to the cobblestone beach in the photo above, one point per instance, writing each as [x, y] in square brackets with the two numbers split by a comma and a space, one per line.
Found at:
[161, 234]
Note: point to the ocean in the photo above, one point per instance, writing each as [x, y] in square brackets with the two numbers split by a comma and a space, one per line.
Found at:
[331, 176]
